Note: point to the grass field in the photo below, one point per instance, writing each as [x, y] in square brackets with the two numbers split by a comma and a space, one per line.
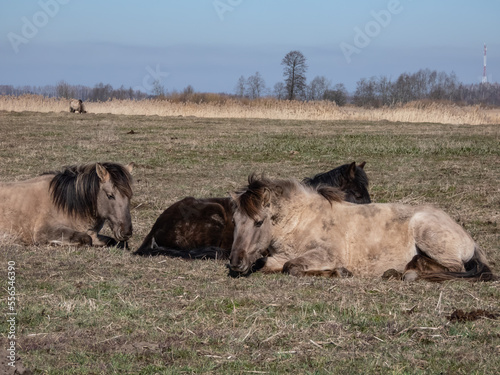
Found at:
[103, 311]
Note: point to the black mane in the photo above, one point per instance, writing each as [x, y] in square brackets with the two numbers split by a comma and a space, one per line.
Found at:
[74, 189]
[350, 178]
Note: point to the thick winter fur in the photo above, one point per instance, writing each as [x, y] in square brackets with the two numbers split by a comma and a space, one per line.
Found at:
[202, 228]
[70, 206]
[308, 231]
[77, 106]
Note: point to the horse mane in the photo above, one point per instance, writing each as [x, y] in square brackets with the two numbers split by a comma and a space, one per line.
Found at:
[74, 190]
[330, 193]
[338, 176]
[250, 198]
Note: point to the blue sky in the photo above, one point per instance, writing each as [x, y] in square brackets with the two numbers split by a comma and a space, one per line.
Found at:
[209, 44]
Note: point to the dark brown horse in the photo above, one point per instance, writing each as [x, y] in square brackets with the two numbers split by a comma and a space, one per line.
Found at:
[203, 228]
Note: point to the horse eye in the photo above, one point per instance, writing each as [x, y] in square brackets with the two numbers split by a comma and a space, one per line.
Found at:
[111, 197]
[258, 224]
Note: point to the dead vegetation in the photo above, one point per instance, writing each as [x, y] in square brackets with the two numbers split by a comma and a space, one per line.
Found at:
[266, 108]
[95, 311]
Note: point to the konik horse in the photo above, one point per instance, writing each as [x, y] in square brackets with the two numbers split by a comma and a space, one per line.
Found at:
[70, 206]
[311, 231]
[202, 228]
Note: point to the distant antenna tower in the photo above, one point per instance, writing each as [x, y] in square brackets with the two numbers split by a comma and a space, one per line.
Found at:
[485, 80]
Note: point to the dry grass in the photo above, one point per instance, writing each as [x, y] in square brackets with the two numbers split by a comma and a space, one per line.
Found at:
[266, 108]
[104, 311]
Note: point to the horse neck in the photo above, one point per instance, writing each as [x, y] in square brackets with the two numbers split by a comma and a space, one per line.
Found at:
[300, 210]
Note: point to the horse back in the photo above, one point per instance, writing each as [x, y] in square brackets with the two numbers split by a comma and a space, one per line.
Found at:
[193, 223]
[365, 239]
[25, 206]
[383, 236]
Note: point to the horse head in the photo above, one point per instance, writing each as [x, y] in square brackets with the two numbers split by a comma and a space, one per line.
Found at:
[350, 178]
[113, 198]
[354, 184]
[253, 224]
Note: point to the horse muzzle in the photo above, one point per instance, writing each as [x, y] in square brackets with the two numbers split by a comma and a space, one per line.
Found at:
[238, 262]
[123, 233]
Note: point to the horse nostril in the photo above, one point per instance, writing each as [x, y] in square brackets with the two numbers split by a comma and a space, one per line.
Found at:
[236, 259]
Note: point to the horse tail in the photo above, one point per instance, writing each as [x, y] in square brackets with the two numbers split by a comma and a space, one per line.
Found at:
[476, 269]
[209, 252]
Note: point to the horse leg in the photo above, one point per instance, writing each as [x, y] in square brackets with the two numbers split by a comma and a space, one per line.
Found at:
[439, 237]
[420, 265]
[66, 235]
[340, 272]
[106, 241]
[272, 265]
[314, 263]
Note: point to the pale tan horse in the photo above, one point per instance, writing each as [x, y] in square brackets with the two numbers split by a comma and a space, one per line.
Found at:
[70, 206]
[307, 231]
[77, 106]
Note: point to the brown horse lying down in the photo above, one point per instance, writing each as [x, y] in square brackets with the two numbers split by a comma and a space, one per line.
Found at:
[70, 206]
[203, 228]
[311, 231]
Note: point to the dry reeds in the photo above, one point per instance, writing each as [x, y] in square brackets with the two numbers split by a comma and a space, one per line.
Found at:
[224, 107]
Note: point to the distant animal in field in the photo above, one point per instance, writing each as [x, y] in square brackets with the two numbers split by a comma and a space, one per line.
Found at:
[70, 206]
[202, 228]
[77, 106]
[303, 230]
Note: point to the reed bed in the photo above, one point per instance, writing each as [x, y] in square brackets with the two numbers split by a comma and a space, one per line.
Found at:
[266, 108]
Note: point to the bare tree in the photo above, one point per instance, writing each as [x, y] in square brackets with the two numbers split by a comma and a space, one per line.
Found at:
[366, 94]
[280, 90]
[317, 88]
[101, 92]
[158, 89]
[240, 87]
[294, 72]
[255, 86]
[338, 94]
[64, 90]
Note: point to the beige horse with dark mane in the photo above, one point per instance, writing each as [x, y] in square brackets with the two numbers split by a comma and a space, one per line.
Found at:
[77, 106]
[70, 206]
[307, 231]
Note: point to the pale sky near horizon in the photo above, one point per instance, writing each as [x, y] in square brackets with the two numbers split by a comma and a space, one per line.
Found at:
[209, 44]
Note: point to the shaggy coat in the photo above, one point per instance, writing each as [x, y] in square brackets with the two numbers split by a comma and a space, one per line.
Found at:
[70, 206]
[202, 228]
[307, 231]
[76, 106]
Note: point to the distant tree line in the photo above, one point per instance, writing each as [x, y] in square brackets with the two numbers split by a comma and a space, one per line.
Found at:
[99, 92]
[380, 91]
[424, 84]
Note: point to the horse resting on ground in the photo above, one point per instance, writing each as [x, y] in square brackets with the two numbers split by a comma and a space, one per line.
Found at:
[310, 231]
[77, 106]
[203, 228]
[70, 206]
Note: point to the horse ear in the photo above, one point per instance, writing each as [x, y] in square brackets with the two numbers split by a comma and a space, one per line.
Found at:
[266, 197]
[351, 171]
[130, 166]
[362, 165]
[102, 173]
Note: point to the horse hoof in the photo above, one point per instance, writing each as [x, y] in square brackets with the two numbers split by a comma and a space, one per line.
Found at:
[410, 276]
[392, 274]
[341, 272]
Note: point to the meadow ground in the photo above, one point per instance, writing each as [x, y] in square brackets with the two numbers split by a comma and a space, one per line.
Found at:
[104, 311]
